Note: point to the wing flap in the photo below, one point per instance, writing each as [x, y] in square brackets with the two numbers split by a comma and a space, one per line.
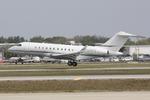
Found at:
[71, 56]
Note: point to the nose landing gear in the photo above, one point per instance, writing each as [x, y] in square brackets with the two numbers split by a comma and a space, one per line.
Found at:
[19, 60]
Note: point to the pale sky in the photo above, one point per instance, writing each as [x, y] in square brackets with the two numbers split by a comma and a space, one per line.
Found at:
[74, 17]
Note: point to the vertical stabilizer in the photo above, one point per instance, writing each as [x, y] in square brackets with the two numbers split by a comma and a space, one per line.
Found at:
[118, 40]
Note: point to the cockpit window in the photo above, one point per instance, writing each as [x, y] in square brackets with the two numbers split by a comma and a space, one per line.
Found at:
[19, 45]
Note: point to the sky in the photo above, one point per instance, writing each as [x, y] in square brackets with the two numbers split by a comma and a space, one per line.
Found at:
[68, 18]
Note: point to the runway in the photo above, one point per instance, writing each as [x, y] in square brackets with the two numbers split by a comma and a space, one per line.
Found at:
[8, 69]
[78, 96]
[69, 69]
[82, 77]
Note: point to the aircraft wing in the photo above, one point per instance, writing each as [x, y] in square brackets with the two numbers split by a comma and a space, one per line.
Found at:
[71, 56]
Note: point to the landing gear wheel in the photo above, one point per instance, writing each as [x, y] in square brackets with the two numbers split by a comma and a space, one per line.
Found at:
[74, 64]
[69, 63]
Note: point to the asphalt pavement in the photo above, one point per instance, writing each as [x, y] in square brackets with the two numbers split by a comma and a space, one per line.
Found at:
[81, 77]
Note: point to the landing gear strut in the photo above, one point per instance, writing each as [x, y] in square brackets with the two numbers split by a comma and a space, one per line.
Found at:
[72, 63]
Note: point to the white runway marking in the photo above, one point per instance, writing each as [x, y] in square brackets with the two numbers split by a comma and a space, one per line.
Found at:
[82, 77]
[78, 96]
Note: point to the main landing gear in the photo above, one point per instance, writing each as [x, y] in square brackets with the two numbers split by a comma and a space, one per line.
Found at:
[72, 63]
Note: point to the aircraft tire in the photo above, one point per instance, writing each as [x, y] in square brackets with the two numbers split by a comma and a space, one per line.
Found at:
[69, 63]
[74, 64]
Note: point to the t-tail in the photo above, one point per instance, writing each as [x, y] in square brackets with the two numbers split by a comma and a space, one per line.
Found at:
[118, 40]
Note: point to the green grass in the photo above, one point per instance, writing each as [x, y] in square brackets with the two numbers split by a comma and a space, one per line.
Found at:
[64, 66]
[62, 69]
[75, 72]
[74, 86]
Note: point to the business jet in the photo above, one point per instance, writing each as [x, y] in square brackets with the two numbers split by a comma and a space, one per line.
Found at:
[73, 53]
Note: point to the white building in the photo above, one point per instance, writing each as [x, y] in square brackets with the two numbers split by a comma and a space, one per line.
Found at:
[137, 50]
[1, 55]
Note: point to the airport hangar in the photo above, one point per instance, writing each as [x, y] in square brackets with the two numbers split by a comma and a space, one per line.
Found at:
[1, 54]
[136, 50]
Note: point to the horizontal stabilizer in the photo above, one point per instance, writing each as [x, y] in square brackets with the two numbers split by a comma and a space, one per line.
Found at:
[129, 35]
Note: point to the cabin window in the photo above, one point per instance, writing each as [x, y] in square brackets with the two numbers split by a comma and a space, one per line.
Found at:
[46, 48]
[65, 49]
[35, 47]
[68, 49]
[53, 48]
[62, 49]
[42, 47]
[50, 48]
[72, 50]
[57, 48]
[39, 47]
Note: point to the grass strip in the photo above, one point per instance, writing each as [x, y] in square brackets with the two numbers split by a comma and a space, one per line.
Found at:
[74, 86]
[76, 72]
[64, 66]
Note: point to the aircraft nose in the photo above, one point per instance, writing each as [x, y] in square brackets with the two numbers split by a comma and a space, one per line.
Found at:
[11, 49]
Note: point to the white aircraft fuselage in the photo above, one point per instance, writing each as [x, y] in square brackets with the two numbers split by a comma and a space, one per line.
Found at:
[48, 49]
[72, 53]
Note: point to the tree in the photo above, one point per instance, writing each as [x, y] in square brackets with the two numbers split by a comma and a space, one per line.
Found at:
[59, 39]
[90, 40]
[144, 42]
[15, 39]
[2, 39]
[130, 42]
[37, 39]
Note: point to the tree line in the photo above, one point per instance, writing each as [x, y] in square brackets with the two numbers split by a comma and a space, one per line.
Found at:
[85, 40]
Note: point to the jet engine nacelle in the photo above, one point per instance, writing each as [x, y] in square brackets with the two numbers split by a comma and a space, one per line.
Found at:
[100, 51]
